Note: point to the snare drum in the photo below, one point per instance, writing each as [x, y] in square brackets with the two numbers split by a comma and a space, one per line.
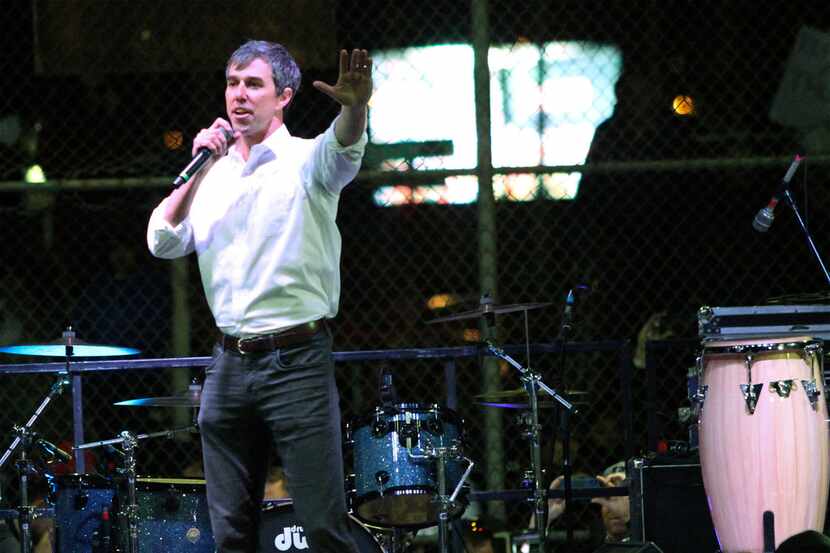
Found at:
[763, 438]
[80, 500]
[280, 530]
[391, 487]
[173, 516]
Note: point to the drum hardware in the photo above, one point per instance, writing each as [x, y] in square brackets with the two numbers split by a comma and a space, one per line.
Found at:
[533, 382]
[129, 444]
[392, 489]
[782, 387]
[69, 346]
[446, 503]
[190, 398]
[25, 440]
[751, 392]
[488, 308]
[813, 393]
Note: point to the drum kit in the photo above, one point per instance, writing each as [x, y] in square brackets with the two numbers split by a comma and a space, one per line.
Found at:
[763, 446]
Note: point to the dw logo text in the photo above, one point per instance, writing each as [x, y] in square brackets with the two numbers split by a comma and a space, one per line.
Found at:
[291, 536]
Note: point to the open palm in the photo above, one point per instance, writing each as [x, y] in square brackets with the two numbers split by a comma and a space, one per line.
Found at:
[354, 81]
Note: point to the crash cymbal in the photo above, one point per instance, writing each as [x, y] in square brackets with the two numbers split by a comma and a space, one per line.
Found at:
[498, 397]
[79, 349]
[488, 309]
[190, 398]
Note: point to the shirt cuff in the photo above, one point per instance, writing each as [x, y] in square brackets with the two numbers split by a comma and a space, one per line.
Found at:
[357, 148]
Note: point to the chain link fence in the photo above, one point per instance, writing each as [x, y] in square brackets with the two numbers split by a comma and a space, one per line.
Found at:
[631, 146]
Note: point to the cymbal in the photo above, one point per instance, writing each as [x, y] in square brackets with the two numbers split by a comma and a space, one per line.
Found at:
[190, 398]
[79, 349]
[498, 397]
[509, 405]
[487, 309]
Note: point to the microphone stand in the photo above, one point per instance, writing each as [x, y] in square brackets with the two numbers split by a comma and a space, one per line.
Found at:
[787, 196]
[564, 423]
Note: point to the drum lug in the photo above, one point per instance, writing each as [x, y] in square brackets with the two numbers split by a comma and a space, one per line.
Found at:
[382, 478]
[782, 387]
[699, 397]
[751, 393]
[812, 391]
[408, 435]
[380, 428]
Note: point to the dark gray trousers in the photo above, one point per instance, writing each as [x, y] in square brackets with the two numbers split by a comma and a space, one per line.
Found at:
[288, 399]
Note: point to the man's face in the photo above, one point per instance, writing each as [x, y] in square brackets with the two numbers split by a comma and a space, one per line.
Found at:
[251, 99]
[615, 516]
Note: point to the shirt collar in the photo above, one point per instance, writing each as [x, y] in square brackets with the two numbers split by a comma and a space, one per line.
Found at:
[265, 151]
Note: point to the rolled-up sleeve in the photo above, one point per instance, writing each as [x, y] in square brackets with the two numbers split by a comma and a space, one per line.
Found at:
[333, 165]
[165, 240]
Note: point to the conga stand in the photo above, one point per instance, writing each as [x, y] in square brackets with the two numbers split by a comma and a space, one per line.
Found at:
[25, 439]
[533, 382]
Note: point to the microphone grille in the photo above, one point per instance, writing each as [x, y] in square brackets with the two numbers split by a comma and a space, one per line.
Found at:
[763, 220]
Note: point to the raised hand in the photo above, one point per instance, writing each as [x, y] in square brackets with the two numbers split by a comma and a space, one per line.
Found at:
[354, 82]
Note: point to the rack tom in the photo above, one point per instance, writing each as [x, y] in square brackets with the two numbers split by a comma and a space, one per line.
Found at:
[393, 486]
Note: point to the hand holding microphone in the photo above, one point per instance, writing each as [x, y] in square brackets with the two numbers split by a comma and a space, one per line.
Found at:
[214, 140]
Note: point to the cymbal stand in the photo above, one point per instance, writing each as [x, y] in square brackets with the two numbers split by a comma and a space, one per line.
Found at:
[442, 455]
[25, 439]
[533, 382]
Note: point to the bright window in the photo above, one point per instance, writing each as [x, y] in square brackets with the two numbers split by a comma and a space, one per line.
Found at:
[547, 100]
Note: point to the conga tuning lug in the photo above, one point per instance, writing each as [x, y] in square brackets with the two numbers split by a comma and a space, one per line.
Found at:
[700, 396]
[782, 387]
[751, 393]
[812, 391]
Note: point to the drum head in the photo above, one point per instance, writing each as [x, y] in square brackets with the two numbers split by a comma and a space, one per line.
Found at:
[281, 531]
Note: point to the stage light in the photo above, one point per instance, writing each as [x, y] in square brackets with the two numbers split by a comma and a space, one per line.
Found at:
[173, 140]
[683, 106]
[35, 175]
[441, 301]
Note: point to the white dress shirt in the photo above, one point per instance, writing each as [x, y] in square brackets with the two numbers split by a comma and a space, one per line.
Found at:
[264, 232]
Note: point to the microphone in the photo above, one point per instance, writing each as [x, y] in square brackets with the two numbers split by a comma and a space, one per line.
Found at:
[580, 290]
[53, 451]
[567, 315]
[199, 161]
[388, 395]
[765, 216]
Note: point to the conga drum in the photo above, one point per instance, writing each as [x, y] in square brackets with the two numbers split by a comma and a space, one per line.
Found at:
[763, 438]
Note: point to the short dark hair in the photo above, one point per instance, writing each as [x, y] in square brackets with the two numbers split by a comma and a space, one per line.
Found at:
[284, 68]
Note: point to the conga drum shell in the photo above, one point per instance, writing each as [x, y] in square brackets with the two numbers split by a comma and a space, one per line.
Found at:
[773, 459]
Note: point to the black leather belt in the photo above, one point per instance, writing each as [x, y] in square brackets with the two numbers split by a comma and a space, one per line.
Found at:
[270, 342]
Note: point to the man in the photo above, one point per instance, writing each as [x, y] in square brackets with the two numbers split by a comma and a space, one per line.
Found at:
[614, 509]
[261, 220]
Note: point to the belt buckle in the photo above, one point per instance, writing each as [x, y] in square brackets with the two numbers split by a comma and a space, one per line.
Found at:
[239, 344]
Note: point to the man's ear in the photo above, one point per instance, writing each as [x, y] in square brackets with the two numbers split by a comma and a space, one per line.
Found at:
[285, 97]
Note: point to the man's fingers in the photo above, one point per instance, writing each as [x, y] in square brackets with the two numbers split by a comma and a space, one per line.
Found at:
[344, 61]
[324, 88]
